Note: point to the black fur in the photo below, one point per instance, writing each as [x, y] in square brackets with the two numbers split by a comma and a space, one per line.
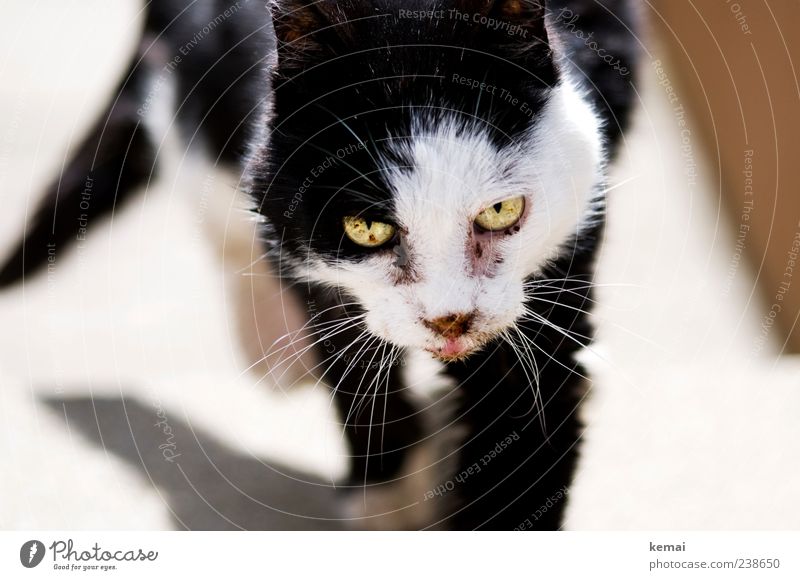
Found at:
[359, 62]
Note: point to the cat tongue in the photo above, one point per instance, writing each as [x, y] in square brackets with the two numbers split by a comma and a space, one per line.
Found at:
[452, 347]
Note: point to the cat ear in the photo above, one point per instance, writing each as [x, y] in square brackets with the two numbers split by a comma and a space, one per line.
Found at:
[295, 22]
[516, 25]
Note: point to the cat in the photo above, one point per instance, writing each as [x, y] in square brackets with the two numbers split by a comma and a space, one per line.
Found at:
[430, 178]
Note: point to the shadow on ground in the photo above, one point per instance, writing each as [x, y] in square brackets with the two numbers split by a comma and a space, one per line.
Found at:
[205, 485]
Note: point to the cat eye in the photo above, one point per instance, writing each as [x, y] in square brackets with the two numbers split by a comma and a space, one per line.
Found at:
[369, 234]
[501, 215]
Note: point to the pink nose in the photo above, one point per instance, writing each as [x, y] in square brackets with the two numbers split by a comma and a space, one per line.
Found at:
[450, 326]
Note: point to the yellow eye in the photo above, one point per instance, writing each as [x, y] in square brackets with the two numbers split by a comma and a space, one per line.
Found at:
[367, 234]
[501, 215]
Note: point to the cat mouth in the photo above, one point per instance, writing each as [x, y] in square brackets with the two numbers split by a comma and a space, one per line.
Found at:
[453, 349]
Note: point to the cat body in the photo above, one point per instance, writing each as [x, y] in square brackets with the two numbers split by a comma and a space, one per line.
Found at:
[431, 178]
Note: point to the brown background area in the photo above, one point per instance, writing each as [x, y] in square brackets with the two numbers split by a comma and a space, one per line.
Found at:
[738, 75]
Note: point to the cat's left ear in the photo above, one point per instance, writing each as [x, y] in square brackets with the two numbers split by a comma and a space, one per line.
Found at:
[304, 30]
[311, 30]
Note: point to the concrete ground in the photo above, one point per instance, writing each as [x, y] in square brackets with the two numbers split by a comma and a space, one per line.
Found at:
[126, 351]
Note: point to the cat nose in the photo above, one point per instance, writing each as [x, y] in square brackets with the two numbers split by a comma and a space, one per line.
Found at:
[450, 326]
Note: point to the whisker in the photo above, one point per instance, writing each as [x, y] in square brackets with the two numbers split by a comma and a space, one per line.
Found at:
[395, 354]
[358, 388]
[369, 432]
[606, 321]
[524, 357]
[336, 330]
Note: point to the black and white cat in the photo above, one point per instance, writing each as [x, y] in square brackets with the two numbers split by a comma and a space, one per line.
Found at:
[431, 177]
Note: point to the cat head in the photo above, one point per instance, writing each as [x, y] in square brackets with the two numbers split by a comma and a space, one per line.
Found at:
[425, 161]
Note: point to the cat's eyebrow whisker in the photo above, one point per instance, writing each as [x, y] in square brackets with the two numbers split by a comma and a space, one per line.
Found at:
[344, 162]
[355, 194]
[353, 133]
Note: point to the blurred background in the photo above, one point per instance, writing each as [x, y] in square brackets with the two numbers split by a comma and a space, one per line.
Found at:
[129, 348]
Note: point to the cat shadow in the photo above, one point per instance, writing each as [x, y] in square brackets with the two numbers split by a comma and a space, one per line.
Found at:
[204, 484]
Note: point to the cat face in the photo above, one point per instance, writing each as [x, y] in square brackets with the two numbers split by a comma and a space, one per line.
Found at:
[426, 170]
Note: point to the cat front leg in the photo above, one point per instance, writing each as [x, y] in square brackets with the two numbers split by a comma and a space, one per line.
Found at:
[516, 461]
[384, 427]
